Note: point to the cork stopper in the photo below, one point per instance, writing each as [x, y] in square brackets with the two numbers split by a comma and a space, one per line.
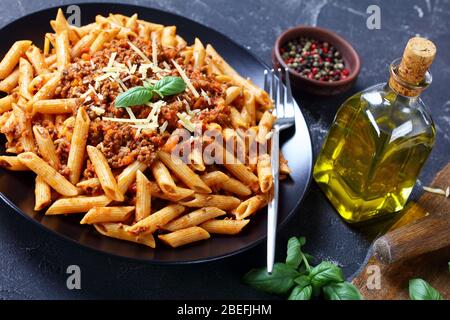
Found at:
[417, 59]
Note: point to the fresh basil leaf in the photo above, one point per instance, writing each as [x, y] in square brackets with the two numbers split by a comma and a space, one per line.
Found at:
[279, 282]
[301, 293]
[168, 86]
[133, 97]
[421, 290]
[325, 273]
[341, 291]
[294, 252]
[303, 280]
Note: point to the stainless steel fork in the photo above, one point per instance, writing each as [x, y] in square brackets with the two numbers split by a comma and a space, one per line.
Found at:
[285, 113]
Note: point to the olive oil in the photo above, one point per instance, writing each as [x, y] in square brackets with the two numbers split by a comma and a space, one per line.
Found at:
[375, 149]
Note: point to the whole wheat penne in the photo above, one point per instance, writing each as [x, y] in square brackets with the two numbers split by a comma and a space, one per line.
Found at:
[46, 146]
[265, 177]
[214, 178]
[37, 60]
[11, 59]
[184, 236]
[79, 204]
[118, 231]
[199, 54]
[12, 163]
[107, 214]
[7, 101]
[25, 77]
[157, 220]
[180, 193]
[163, 177]
[104, 37]
[43, 194]
[104, 174]
[48, 173]
[143, 196]
[56, 106]
[128, 175]
[10, 82]
[194, 218]
[225, 226]
[236, 187]
[168, 39]
[212, 200]
[77, 146]
[62, 50]
[250, 206]
[182, 171]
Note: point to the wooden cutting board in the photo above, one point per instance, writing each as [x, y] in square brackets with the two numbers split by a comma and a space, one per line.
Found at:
[432, 267]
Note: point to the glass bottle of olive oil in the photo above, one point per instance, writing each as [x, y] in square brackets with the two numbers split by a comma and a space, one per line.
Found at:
[379, 140]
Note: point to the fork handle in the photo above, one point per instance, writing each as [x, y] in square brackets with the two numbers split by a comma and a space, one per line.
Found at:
[272, 210]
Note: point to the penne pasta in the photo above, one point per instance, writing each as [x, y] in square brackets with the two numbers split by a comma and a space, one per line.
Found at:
[56, 106]
[184, 236]
[199, 54]
[104, 37]
[37, 60]
[12, 163]
[48, 174]
[62, 50]
[227, 226]
[168, 39]
[143, 196]
[194, 218]
[250, 206]
[7, 102]
[78, 145]
[232, 93]
[128, 175]
[107, 214]
[265, 126]
[104, 174]
[156, 220]
[214, 178]
[118, 231]
[43, 194]
[163, 177]
[79, 204]
[11, 59]
[10, 82]
[183, 172]
[236, 187]
[180, 193]
[264, 168]
[84, 43]
[25, 77]
[60, 25]
[212, 200]
[45, 145]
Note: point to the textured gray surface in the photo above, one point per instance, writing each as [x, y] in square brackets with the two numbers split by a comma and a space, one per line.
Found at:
[34, 263]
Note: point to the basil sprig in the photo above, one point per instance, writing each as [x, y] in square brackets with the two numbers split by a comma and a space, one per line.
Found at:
[298, 280]
[136, 96]
[421, 290]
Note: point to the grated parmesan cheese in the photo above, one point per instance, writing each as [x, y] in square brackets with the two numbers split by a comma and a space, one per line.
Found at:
[139, 52]
[163, 127]
[98, 111]
[154, 51]
[111, 59]
[185, 121]
[207, 98]
[186, 79]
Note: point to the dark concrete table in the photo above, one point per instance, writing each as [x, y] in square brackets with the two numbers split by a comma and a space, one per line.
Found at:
[34, 263]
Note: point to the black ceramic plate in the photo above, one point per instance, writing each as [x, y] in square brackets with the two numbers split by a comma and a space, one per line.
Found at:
[17, 187]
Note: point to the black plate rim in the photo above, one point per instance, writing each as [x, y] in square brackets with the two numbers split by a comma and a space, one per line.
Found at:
[280, 225]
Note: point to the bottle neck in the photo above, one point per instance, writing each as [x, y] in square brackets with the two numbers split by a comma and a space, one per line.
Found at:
[399, 85]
